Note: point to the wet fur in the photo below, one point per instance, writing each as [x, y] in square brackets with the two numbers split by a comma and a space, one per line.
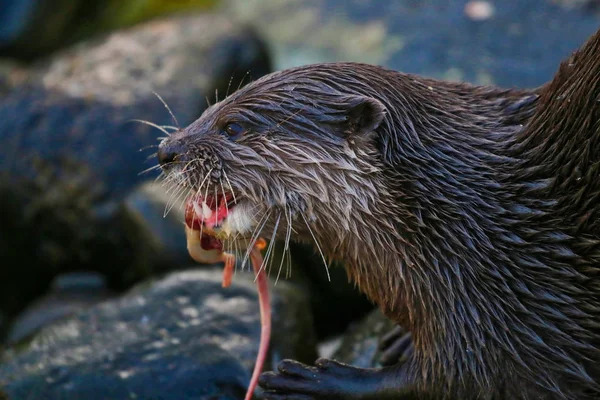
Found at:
[469, 214]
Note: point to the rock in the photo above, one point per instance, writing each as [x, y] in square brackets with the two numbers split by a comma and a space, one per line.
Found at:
[11, 74]
[68, 294]
[181, 337]
[21, 21]
[359, 346]
[585, 5]
[148, 206]
[72, 153]
[518, 43]
[30, 29]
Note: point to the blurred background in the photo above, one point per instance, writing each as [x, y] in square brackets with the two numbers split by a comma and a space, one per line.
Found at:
[98, 296]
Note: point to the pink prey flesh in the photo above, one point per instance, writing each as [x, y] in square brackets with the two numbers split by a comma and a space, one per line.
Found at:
[262, 284]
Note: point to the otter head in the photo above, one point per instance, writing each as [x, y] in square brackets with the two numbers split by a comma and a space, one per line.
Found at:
[291, 152]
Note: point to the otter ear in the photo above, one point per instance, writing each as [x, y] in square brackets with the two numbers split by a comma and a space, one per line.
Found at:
[363, 114]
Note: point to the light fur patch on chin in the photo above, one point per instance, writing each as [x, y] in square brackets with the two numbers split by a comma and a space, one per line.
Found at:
[239, 220]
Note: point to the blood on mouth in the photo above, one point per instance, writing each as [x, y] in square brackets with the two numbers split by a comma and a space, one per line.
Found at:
[207, 213]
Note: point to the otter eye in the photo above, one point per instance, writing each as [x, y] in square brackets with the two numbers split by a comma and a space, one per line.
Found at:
[233, 130]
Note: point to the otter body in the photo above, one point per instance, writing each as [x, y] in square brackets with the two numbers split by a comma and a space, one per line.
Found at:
[470, 215]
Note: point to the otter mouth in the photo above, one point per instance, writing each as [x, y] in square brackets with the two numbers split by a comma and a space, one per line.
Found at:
[208, 215]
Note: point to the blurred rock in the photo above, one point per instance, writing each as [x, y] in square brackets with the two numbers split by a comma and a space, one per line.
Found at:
[590, 5]
[359, 346]
[519, 43]
[68, 294]
[72, 152]
[22, 20]
[30, 29]
[11, 74]
[150, 208]
[181, 337]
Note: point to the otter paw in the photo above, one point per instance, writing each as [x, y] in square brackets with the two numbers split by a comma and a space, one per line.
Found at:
[326, 380]
[396, 346]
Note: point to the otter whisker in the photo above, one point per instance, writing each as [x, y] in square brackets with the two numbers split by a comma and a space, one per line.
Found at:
[194, 214]
[152, 124]
[187, 165]
[168, 109]
[167, 180]
[173, 128]
[286, 243]
[254, 237]
[161, 176]
[153, 155]
[283, 121]
[217, 206]
[229, 86]
[187, 195]
[288, 274]
[288, 118]
[147, 170]
[174, 184]
[230, 186]
[177, 188]
[237, 253]
[269, 252]
[175, 199]
[266, 214]
[318, 247]
[208, 101]
[204, 180]
[170, 180]
[224, 197]
[289, 250]
[243, 79]
[149, 147]
[205, 196]
[223, 191]
[182, 196]
[173, 188]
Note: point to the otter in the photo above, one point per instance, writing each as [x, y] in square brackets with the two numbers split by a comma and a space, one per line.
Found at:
[470, 215]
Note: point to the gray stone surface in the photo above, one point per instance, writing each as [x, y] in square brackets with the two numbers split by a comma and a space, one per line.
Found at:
[178, 338]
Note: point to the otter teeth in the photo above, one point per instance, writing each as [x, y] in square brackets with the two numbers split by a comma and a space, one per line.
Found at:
[206, 211]
[203, 212]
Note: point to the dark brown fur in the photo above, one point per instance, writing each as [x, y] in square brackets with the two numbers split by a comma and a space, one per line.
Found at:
[469, 214]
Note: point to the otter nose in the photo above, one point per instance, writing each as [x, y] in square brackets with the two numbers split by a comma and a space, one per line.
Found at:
[166, 155]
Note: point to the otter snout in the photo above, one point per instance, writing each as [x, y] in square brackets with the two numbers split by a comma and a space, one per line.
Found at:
[169, 152]
[166, 156]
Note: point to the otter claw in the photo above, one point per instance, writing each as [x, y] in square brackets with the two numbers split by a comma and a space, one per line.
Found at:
[294, 368]
[389, 338]
[396, 347]
[327, 379]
